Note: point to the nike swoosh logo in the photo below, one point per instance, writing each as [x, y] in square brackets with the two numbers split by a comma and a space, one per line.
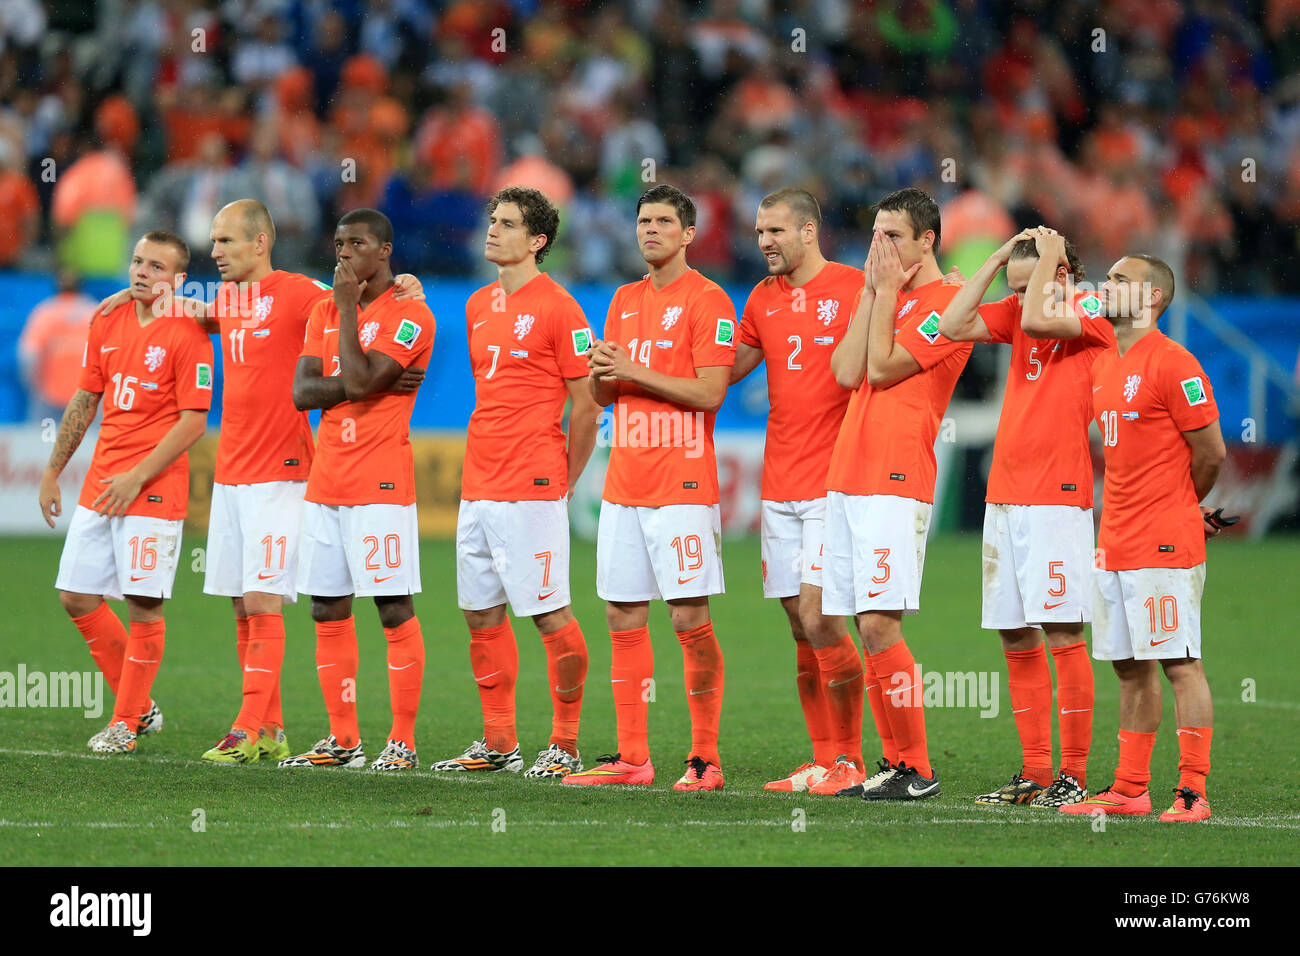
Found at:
[1099, 388]
[814, 567]
[626, 314]
[872, 594]
[257, 670]
[402, 668]
[477, 324]
[140, 578]
[840, 683]
[328, 331]
[900, 690]
[1158, 643]
[1023, 709]
[323, 666]
[777, 309]
[618, 680]
[111, 348]
[913, 792]
[1081, 710]
[568, 690]
[379, 580]
[1192, 732]
[1049, 607]
[697, 693]
[267, 577]
[136, 660]
[543, 597]
[685, 580]
[486, 676]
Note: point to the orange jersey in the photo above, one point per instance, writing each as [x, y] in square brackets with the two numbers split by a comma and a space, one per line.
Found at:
[662, 453]
[1040, 455]
[148, 375]
[798, 329]
[522, 348]
[363, 452]
[1143, 401]
[263, 437]
[886, 442]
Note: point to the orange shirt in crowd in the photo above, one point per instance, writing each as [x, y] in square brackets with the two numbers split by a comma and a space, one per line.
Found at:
[798, 329]
[886, 443]
[1143, 401]
[95, 181]
[54, 341]
[522, 348]
[662, 453]
[18, 206]
[263, 437]
[147, 374]
[1041, 455]
[363, 449]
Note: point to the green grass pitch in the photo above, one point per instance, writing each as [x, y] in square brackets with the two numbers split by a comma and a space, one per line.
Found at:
[61, 805]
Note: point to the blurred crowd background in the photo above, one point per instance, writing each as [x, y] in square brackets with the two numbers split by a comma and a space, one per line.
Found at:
[1153, 124]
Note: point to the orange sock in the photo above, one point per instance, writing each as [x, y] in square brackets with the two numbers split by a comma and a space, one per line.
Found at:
[702, 663]
[1194, 757]
[1133, 775]
[263, 658]
[631, 665]
[405, 675]
[106, 639]
[241, 640]
[566, 673]
[812, 698]
[336, 669]
[494, 656]
[144, 651]
[1029, 682]
[842, 678]
[900, 683]
[875, 700]
[1074, 699]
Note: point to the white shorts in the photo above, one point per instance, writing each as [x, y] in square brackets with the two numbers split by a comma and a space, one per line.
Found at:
[875, 553]
[130, 554]
[794, 534]
[365, 550]
[1147, 614]
[1038, 562]
[253, 539]
[644, 554]
[516, 551]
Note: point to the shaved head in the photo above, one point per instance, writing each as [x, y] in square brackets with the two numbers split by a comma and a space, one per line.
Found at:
[1158, 276]
[254, 217]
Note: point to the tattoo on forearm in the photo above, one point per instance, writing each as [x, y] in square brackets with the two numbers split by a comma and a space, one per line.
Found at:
[76, 419]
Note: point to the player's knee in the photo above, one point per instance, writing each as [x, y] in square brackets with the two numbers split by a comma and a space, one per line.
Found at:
[626, 617]
[329, 609]
[395, 611]
[687, 617]
[552, 621]
[79, 605]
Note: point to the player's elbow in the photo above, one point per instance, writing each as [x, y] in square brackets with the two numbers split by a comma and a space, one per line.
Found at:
[878, 377]
[846, 377]
[1037, 328]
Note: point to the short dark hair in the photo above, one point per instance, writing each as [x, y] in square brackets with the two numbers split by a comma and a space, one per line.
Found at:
[379, 225]
[920, 208]
[168, 238]
[1028, 249]
[1161, 276]
[541, 218]
[801, 203]
[671, 196]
